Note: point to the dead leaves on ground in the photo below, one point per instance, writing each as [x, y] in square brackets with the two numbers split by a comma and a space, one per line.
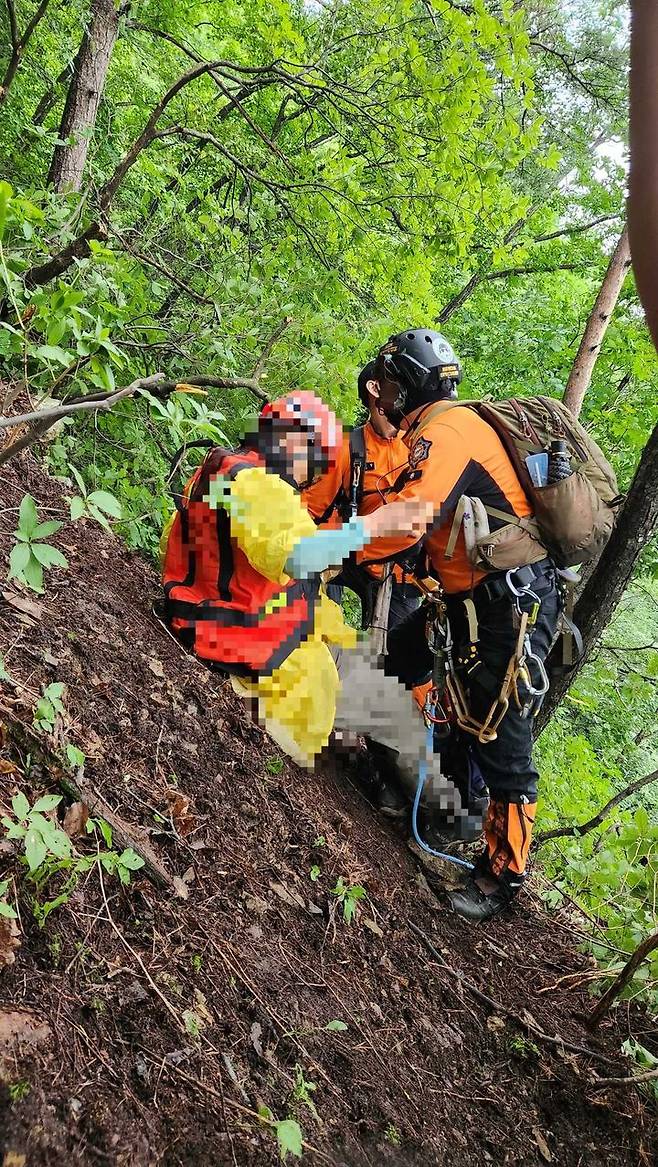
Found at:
[10, 942]
[179, 810]
[75, 819]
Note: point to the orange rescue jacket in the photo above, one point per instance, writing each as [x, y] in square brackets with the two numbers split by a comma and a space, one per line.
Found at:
[231, 615]
[450, 454]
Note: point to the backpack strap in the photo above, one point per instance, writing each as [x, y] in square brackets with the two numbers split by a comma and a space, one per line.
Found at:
[527, 524]
[357, 466]
[174, 467]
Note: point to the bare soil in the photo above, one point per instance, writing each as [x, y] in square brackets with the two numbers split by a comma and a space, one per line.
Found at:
[155, 1026]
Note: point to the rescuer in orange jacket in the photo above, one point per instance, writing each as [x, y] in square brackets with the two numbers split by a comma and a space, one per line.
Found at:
[372, 458]
[453, 453]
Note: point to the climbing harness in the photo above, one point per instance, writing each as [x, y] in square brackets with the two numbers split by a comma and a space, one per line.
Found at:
[525, 681]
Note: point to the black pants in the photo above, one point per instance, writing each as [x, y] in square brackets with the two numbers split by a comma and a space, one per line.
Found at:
[405, 598]
[506, 763]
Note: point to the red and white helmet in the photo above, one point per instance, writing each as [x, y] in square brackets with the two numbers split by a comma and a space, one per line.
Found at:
[306, 410]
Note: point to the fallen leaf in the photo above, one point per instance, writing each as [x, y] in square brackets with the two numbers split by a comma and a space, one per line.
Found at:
[257, 905]
[7, 767]
[255, 1034]
[495, 1023]
[75, 819]
[542, 1145]
[179, 809]
[30, 608]
[201, 1007]
[13, 1159]
[181, 889]
[373, 927]
[289, 896]
[156, 668]
[19, 1025]
[10, 942]
[189, 876]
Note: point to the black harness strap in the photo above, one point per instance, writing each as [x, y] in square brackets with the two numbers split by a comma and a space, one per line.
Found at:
[357, 466]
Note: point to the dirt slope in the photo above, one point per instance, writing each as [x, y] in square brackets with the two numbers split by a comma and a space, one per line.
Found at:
[424, 1072]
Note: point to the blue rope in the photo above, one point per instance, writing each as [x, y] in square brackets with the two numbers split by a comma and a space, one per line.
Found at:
[422, 779]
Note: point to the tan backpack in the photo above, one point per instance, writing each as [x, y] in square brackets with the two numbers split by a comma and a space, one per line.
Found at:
[573, 518]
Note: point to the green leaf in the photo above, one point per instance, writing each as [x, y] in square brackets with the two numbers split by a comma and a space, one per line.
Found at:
[75, 758]
[289, 1137]
[7, 911]
[18, 559]
[52, 352]
[44, 530]
[33, 574]
[314, 873]
[57, 842]
[131, 859]
[79, 479]
[20, 805]
[49, 556]
[35, 849]
[27, 515]
[107, 502]
[5, 195]
[98, 516]
[47, 802]
[78, 507]
[106, 831]
[336, 1026]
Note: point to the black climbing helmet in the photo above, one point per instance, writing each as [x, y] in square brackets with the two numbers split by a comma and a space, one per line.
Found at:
[422, 362]
[368, 373]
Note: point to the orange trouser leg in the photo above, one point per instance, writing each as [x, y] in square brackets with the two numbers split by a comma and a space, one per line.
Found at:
[508, 831]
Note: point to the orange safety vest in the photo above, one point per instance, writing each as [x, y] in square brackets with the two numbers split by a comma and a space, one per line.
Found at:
[215, 601]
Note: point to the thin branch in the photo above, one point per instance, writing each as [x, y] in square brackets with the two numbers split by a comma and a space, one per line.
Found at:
[524, 1020]
[216, 383]
[54, 412]
[169, 275]
[579, 228]
[576, 831]
[648, 945]
[647, 1076]
[532, 271]
[19, 42]
[269, 345]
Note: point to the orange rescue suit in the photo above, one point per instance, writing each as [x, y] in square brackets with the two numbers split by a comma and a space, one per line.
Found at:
[451, 453]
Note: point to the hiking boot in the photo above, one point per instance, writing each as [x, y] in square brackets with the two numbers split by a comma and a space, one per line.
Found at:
[391, 800]
[471, 903]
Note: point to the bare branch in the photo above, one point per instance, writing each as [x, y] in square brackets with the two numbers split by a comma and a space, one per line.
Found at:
[647, 1076]
[54, 412]
[19, 42]
[649, 944]
[579, 228]
[269, 345]
[576, 831]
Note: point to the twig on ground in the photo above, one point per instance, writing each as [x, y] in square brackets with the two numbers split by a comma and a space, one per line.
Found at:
[647, 1076]
[167, 1004]
[80, 791]
[524, 1020]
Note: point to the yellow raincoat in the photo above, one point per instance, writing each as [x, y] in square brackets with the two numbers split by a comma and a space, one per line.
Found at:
[297, 702]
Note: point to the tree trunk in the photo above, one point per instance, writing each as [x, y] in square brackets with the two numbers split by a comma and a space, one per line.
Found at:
[84, 95]
[597, 326]
[612, 574]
